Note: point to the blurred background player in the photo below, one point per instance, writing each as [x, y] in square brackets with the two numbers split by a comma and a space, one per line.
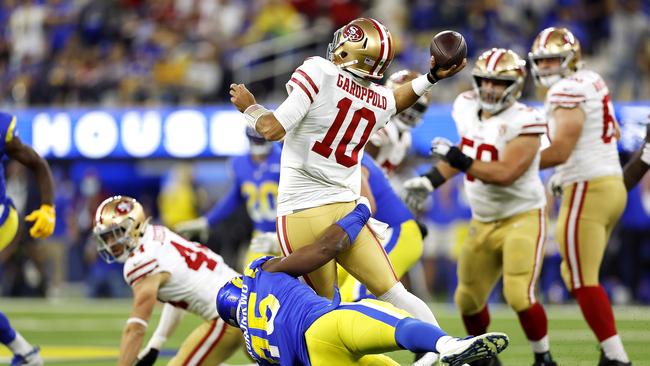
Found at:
[403, 239]
[390, 145]
[255, 183]
[639, 164]
[44, 217]
[583, 134]
[499, 152]
[333, 107]
[297, 326]
[161, 265]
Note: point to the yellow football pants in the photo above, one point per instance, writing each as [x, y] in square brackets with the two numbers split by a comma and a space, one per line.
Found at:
[404, 248]
[366, 260]
[9, 228]
[587, 217]
[354, 334]
[513, 247]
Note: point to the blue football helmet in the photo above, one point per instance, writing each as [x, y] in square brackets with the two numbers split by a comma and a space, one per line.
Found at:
[228, 300]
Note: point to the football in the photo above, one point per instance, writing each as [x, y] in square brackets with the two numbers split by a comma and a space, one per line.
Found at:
[448, 48]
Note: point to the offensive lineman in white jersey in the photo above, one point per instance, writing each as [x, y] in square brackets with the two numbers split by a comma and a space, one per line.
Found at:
[583, 149]
[161, 265]
[499, 152]
[390, 145]
[333, 108]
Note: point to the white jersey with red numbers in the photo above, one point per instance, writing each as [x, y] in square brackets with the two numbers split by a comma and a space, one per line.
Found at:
[595, 153]
[328, 118]
[486, 140]
[196, 272]
[392, 145]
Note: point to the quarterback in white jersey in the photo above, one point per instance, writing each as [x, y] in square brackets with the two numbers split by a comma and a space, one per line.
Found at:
[160, 265]
[499, 152]
[583, 150]
[333, 108]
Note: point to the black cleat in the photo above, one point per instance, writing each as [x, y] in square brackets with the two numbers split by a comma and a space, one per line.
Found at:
[544, 359]
[475, 348]
[604, 361]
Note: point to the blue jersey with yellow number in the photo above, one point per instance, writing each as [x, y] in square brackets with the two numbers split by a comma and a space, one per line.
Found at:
[390, 208]
[255, 184]
[275, 312]
[7, 133]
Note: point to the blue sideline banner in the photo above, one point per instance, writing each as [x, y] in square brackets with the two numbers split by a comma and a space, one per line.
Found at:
[187, 132]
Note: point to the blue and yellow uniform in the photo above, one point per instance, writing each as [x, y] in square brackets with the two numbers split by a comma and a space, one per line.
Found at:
[285, 322]
[256, 184]
[8, 215]
[403, 244]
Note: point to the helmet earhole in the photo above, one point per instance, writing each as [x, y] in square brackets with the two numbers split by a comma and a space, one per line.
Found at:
[344, 54]
[365, 43]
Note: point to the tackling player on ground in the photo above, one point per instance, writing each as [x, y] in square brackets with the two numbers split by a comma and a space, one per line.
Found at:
[11, 147]
[333, 108]
[161, 265]
[284, 322]
[499, 152]
[583, 149]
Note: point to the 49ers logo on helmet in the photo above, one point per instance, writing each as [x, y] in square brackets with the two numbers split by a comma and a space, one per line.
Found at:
[353, 33]
[124, 207]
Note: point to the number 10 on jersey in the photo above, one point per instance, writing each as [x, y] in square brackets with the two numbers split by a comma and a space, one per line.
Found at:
[324, 147]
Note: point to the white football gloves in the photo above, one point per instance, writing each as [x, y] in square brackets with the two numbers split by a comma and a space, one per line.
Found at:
[198, 226]
[440, 146]
[417, 190]
[265, 243]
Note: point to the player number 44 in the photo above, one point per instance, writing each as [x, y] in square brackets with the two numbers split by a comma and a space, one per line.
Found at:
[194, 258]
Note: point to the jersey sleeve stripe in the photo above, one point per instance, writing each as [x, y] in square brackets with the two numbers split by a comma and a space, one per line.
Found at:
[309, 80]
[139, 267]
[303, 87]
[532, 133]
[10, 130]
[142, 275]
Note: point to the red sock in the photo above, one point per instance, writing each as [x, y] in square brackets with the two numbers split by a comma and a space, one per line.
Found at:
[597, 311]
[477, 324]
[534, 322]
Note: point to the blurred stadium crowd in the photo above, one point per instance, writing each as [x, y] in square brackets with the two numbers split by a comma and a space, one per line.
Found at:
[171, 52]
[116, 52]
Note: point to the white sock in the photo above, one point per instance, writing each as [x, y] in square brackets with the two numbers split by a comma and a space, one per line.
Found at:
[20, 346]
[444, 343]
[540, 346]
[613, 348]
[399, 297]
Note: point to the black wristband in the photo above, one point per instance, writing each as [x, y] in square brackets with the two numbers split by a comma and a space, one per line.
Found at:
[458, 160]
[431, 76]
[435, 177]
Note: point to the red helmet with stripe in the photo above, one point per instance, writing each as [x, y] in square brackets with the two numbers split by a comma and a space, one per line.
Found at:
[364, 47]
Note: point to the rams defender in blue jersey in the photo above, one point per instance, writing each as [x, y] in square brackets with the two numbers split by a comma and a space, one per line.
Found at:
[256, 177]
[403, 242]
[284, 322]
[43, 223]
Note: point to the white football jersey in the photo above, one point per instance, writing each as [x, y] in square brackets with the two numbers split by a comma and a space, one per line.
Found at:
[196, 272]
[392, 146]
[322, 150]
[595, 154]
[486, 140]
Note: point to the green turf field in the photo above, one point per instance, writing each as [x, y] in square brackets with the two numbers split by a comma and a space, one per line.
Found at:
[84, 332]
